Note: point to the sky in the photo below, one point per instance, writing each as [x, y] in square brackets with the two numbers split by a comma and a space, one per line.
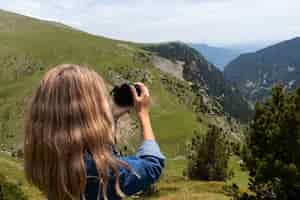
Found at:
[215, 22]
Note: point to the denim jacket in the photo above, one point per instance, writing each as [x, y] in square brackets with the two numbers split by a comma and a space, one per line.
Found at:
[146, 168]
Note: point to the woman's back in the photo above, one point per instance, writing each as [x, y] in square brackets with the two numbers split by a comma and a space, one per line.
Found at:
[69, 135]
[146, 167]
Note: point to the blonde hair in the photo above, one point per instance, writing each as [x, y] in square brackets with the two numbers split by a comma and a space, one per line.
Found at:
[69, 114]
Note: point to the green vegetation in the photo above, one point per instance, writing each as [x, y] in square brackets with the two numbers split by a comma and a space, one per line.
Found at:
[10, 191]
[175, 186]
[272, 157]
[208, 156]
[12, 181]
[240, 175]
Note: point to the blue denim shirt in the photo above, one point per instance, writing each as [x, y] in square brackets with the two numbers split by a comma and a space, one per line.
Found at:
[146, 165]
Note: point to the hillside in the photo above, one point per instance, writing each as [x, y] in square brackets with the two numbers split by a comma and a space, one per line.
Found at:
[256, 73]
[218, 56]
[197, 70]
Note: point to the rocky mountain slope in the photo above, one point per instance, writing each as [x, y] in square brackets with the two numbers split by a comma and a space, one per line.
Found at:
[197, 70]
[218, 56]
[256, 73]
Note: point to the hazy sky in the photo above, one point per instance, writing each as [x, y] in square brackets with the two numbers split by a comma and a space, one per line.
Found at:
[217, 22]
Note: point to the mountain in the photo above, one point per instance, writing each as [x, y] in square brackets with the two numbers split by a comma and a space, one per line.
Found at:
[218, 56]
[256, 73]
[200, 72]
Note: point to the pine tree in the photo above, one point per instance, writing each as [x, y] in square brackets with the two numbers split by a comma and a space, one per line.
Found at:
[208, 156]
[273, 156]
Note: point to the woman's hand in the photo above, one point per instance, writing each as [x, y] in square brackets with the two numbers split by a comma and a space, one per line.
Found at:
[142, 102]
[142, 107]
[119, 111]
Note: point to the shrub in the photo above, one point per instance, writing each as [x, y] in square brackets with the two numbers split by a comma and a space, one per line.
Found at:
[208, 156]
[10, 191]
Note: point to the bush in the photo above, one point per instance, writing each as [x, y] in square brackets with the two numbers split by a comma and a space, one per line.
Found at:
[272, 155]
[208, 156]
[10, 191]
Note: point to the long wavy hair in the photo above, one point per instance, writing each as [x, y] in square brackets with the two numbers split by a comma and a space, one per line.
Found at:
[68, 116]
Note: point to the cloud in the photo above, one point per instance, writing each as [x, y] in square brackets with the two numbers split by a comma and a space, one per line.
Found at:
[217, 22]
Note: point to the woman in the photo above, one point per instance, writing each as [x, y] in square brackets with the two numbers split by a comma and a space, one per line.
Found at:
[69, 139]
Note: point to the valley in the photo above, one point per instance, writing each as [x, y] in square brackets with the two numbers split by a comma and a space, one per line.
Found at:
[219, 56]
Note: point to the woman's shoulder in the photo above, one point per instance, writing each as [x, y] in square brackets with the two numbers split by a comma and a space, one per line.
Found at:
[148, 155]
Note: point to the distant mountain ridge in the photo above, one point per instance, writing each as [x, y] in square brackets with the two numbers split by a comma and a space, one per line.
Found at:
[218, 56]
[199, 71]
[256, 73]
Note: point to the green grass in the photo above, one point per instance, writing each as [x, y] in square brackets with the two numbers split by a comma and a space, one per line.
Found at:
[174, 185]
[13, 171]
[240, 177]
